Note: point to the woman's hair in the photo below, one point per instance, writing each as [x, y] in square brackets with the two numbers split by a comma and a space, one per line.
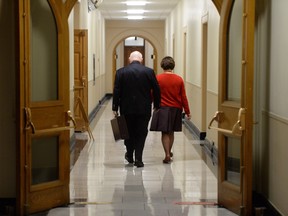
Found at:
[167, 63]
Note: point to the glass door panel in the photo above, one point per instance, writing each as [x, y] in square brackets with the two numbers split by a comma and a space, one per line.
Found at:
[232, 168]
[45, 160]
[234, 50]
[44, 57]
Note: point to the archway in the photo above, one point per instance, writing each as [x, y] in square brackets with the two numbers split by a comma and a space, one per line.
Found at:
[136, 42]
[119, 58]
[117, 31]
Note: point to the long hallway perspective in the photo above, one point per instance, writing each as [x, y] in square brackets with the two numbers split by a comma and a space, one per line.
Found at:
[103, 183]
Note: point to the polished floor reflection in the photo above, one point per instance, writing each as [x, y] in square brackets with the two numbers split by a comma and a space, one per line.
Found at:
[103, 183]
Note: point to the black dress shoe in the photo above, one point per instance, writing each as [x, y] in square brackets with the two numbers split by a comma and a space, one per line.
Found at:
[130, 160]
[139, 164]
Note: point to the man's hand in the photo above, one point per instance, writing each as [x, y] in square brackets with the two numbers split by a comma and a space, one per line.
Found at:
[115, 113]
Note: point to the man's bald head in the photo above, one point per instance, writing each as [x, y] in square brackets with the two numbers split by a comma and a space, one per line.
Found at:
[135, 56]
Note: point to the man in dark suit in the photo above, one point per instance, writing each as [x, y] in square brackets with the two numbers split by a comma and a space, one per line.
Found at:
[135, 89]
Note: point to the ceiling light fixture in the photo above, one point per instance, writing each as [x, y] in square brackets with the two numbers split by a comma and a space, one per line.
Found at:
[136, 3]
[135, 17]
[135, 11]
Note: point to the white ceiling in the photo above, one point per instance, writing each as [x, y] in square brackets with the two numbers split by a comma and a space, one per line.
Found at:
[153, 10]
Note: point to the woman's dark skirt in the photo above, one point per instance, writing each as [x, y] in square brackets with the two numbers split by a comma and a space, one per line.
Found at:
[166, 119]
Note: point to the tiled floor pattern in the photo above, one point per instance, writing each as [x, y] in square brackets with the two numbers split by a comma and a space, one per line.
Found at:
[103, 184]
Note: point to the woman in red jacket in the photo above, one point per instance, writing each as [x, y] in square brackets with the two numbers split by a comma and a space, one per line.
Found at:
[173, 101]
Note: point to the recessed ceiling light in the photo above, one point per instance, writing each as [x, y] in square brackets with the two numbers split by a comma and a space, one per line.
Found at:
[136, 3]
[135, 17]
[135, 11]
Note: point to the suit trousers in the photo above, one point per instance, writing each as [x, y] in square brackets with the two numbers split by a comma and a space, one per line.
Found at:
[138, 129]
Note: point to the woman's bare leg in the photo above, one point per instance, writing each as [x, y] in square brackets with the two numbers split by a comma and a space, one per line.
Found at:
[171, 137]
[167, 142]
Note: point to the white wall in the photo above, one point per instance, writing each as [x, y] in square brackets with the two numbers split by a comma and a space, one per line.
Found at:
[96, 42]
[120, 56]
[187, 17]
[271, 104]
[148, 52]
[95, 24]
[213, 48]
[278, 59]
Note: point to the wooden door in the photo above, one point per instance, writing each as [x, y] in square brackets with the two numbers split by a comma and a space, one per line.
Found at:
[80, 77]
[129, 49]
[43, 106]
[235, 109]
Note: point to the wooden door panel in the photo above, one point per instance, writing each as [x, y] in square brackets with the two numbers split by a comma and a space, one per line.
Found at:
[57, 188]
[54, 196]
[45, 117]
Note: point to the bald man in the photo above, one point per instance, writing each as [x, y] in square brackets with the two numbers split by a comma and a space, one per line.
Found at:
[135, 89]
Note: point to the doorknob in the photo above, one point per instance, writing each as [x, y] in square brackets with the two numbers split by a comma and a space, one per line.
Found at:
[239, 125]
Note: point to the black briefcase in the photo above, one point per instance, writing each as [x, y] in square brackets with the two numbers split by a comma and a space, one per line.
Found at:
[119, 128]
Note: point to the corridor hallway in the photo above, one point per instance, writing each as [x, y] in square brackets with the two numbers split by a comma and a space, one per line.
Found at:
[102, 183]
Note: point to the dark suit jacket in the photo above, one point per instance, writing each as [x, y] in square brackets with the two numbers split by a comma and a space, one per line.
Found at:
[135, 88]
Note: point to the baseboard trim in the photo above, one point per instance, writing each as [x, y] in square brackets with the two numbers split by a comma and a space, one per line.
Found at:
[262, 206]
[98, 107]
[194, 130]
[208, 146]
[211, 151]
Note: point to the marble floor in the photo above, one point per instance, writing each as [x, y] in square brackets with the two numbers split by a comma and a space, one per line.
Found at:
[103, 183]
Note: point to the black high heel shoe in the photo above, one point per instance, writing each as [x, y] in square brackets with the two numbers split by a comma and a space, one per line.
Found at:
[167, 160]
